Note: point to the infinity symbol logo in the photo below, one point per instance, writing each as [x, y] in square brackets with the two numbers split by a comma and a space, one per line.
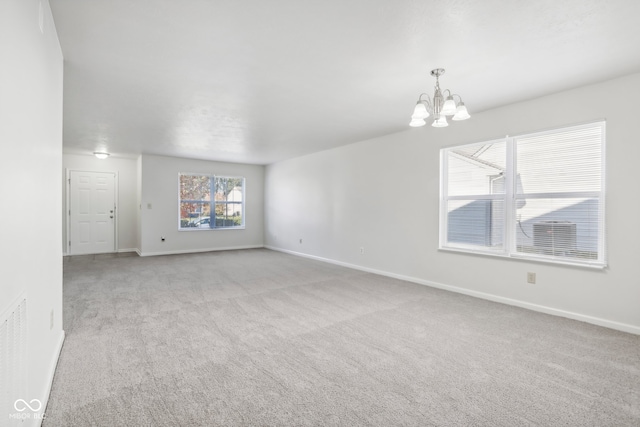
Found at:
[26, 405]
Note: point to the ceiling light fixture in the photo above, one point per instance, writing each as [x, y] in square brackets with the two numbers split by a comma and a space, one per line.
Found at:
[101, 155]
[438, 106]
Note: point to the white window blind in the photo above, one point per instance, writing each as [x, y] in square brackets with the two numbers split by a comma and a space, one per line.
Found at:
[475, 190]
[537, 196]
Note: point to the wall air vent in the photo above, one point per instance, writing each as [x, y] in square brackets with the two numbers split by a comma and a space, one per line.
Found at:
[13, 351]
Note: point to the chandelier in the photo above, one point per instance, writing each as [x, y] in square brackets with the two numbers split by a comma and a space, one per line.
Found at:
[439, 107]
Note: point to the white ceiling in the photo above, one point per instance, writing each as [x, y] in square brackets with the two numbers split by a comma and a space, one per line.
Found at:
[259, 81]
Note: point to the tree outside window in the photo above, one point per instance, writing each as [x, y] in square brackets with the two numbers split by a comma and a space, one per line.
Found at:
[200, 195]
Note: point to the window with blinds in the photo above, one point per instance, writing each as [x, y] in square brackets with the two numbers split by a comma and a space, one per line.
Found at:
[537, 196]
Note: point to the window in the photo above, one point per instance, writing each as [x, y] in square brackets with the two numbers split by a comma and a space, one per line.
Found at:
[211, 202]
[536, 196]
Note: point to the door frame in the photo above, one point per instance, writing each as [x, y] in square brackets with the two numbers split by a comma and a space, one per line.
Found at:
[67, 211]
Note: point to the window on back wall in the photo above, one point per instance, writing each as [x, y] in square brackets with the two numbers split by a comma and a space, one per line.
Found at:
[537, 196]
[211, 202]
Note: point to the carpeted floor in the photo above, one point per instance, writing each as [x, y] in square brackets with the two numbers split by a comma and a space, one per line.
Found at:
[261, 338]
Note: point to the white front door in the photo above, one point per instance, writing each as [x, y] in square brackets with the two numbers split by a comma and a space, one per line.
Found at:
[92, 212]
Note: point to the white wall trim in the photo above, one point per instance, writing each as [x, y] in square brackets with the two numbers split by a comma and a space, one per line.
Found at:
[127, 250]
[624, 327]
[103, 253]
[193, 251]
[52, 371]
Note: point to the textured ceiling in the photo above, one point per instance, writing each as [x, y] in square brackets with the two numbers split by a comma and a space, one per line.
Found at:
[259, 81]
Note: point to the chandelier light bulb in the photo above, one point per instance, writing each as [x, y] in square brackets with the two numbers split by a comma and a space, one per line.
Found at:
[416, 123]
[449, 107]
[461, 113]
[440, 122]
[420, 112]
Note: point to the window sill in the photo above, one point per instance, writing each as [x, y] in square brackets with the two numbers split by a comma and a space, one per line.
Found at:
[543, 260]
[190, 230]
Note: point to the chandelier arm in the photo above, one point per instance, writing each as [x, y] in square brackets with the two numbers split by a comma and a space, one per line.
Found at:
[429, 104]
[426, 100]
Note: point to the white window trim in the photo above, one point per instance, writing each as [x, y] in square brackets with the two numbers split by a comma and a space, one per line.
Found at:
[509, 197]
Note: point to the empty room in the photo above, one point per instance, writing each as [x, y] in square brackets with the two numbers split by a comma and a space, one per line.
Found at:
[319, 213]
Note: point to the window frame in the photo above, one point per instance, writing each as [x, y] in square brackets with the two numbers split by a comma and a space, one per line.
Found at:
[212, 202]
[511, 196]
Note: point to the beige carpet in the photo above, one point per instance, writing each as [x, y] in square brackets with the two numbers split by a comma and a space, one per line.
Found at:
[261, 338]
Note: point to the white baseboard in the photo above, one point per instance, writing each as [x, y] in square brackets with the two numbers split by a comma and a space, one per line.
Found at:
[50, 375]
[193, 251]
[127, 250]
[117, 251]
[624, 327]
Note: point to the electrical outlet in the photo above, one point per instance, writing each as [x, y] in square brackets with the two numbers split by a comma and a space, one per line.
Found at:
[51, 320]
[531, 278]
[361, 250]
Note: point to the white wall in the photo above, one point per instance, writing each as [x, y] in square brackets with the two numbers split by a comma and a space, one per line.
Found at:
[127, 193]
[31, 78]
[160, 191]
[342, 199]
